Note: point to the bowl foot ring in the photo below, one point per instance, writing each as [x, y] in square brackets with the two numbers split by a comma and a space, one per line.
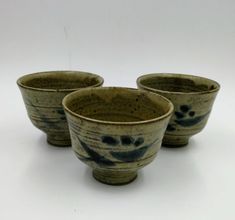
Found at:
[175, 141]
[114, 177]
[58, 140]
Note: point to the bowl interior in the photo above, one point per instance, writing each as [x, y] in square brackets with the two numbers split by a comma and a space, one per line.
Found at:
[117, 104]
[59, 80]
[177, 83]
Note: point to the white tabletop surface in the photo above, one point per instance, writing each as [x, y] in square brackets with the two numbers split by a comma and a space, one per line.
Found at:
[119, 40]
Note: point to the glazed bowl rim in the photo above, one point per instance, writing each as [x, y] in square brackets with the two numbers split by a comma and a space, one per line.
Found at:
[176, 75]
[20, 84]
[141, 122]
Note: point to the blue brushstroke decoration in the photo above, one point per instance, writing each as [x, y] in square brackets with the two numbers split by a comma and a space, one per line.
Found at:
[139, 141]
[127, 140]
[191, 113]
[130, 156]
[191, 121]
[170, 127]
[94, 156]
[51, 124]
[60, 111]
[185, 108]
[109, 140]
[179, 114]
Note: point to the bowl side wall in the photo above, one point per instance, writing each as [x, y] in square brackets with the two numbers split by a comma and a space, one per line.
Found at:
[191, 112]
[45, 110]
[115, 147]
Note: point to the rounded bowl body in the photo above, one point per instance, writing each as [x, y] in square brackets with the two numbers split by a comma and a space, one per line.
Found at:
[43, 94]
[116, 131]
[193, 98]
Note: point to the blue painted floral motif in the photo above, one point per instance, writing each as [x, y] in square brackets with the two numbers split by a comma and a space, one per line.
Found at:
[124, 140]
[125, 156]
[132, 155]
[185, 117]
[109, 140]
[191, 121]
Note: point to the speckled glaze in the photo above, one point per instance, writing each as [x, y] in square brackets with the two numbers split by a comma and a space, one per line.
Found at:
[116, 131]
[43, 94]
[193, 98]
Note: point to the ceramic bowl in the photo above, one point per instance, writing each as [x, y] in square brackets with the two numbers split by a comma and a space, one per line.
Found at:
[116, 131]
[43, 94]
[193, 98]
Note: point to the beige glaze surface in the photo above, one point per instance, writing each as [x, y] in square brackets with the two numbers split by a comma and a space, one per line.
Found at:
[193, 98]
[116, 131]
[43, 94]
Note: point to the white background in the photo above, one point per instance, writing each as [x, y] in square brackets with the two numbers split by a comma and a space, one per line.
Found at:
[119, 40]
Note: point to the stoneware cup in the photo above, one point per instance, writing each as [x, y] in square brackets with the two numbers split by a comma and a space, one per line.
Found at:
[43, 93]
[193, 98]
[116, 131]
